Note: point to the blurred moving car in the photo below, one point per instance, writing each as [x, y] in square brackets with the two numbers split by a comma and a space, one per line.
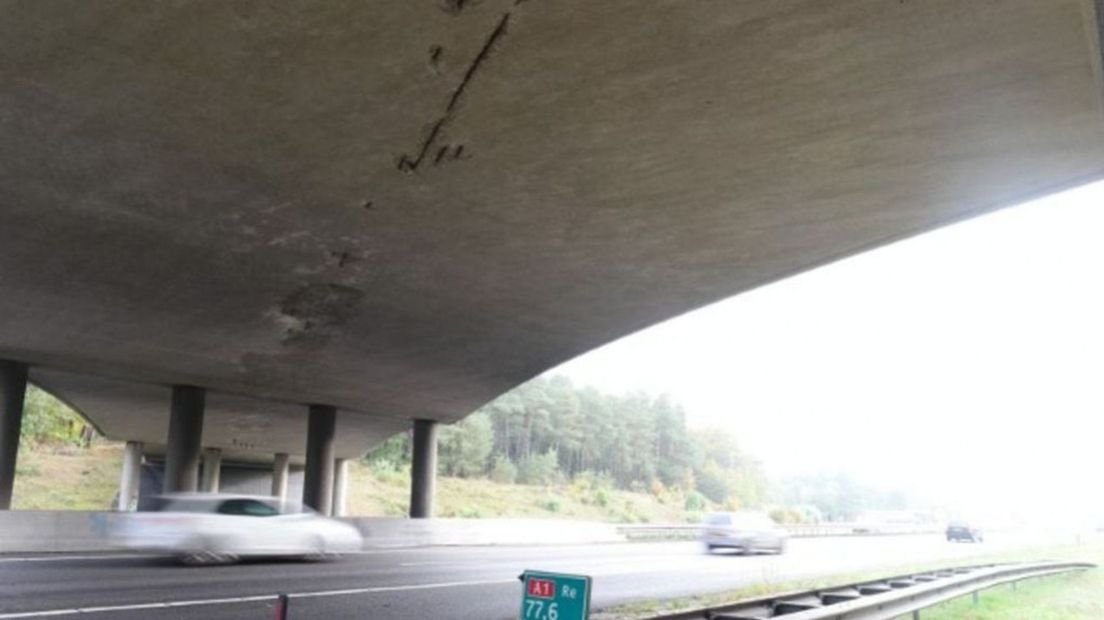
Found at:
[744, 531]
[961, 530]
[212, 528]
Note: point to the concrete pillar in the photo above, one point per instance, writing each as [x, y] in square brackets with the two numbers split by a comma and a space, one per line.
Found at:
[280, 475]
[319, 474]
[423, 469]
[212, 468]
[13, 388]
[131, 476]
[185, 434]
[341, 486]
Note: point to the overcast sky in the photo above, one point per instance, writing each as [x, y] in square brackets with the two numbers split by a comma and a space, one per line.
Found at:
[968, 358]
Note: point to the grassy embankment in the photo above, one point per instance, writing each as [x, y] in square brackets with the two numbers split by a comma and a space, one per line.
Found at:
[70, 478]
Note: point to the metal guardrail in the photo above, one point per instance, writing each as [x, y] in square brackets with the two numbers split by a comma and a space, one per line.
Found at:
[880, 599]
[691, 531]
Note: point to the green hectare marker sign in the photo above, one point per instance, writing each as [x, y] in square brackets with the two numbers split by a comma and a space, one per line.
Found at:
[552, 596]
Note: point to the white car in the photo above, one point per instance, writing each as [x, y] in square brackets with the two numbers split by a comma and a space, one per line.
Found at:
[211, 528]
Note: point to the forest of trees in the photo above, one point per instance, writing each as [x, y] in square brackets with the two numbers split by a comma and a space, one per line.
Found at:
[550, 430]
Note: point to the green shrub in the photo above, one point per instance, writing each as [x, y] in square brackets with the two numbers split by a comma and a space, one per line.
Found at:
[540, 469]
[504, 470]
[695, 502]
[600, 498]
[48, 421]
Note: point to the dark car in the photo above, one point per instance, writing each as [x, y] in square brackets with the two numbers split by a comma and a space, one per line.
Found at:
[961, 530]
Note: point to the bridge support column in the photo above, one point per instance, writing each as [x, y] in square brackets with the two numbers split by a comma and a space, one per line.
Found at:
[185, 434]
[423, 469]
[280, 475]
[341, 486]
[13, 389]
[318, 477]
[131, 476]
[212, 469]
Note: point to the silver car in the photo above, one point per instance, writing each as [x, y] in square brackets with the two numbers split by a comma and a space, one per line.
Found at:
[747, 532]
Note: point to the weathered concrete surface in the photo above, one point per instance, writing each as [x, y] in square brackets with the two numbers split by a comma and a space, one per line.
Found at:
[403, 209]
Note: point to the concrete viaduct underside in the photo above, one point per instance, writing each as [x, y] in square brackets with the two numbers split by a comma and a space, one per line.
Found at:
[396, 211]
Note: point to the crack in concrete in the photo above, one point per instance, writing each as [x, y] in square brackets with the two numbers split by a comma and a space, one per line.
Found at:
[409, 164]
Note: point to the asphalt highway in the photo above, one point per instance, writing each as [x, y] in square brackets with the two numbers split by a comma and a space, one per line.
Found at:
[441, 583]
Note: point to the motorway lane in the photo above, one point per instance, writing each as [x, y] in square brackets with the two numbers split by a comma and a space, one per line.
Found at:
[443, 582]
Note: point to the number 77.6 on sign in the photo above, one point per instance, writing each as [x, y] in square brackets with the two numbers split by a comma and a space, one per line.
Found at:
[554, 596]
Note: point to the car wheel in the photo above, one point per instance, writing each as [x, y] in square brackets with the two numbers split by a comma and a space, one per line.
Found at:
[709, 548]
[207, 558]
[319, 552]
[206, 554]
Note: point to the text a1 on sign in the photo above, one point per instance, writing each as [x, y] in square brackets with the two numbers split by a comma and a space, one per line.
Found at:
[554, 596]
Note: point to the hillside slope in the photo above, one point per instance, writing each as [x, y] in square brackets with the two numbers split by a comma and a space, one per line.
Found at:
[69, 478]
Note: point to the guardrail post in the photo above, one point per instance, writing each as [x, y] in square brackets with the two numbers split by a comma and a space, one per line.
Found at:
[281, 607]
[974, 595]
[916, 615]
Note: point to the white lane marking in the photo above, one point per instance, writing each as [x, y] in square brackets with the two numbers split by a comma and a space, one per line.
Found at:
[70, 558]
[247, 599]
[421, 586]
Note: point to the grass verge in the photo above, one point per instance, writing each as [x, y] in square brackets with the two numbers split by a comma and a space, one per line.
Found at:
[1064, 597]
[1078, 596]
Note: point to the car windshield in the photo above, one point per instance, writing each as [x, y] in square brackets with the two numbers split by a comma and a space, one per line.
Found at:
[247, 508]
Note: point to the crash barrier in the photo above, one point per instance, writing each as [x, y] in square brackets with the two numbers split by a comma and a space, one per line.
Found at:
[685, 531]
[51, 531]
[882, 599]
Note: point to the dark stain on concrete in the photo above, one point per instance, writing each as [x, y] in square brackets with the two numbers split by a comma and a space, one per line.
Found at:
[436, 52]
[454, 7]
[314, 313]
[343, 257]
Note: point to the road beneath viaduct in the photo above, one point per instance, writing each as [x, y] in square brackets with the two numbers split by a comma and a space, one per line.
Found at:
[442, 583]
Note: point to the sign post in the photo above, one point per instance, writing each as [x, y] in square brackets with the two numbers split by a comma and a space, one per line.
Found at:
[554, 596]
